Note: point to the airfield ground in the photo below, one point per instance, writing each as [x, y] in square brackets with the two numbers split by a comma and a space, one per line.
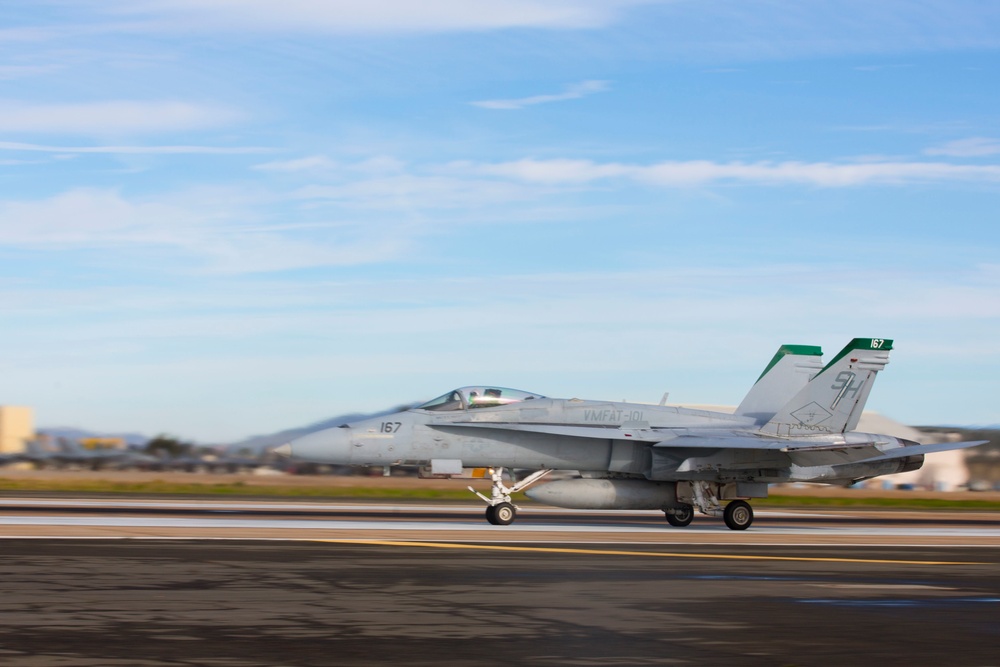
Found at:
[338, 486]
[299, 571]
[164, 603]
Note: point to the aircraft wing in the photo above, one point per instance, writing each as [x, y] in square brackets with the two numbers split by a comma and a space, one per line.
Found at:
[573, 431]
[683, 438]
[752, 442]
[913, 450]
[738, 441]
[674, 438]
[659, 437]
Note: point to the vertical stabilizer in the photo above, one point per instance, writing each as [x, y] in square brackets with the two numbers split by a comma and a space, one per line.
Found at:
[789, 371]
[833, 400]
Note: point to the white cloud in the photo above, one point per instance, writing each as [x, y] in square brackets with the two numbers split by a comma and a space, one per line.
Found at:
[722, 30]
[311, 163]
[972, 147]
[219, 229]
[111, 118]
[768, 29]
[373, 16]
[375, 210]
[135, 150]
[327, 346]
[409, 193]
[709, 298]
[9, 72]
[379, 164]
[573, 92]
[83, 216]
[349, 336]
[14, 163]
[704, 172]
[548, 171]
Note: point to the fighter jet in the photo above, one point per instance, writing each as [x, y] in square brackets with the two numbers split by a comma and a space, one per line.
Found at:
[65, 453]
[795, 425]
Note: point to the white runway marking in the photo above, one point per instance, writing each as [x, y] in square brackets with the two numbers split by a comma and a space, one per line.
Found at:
[305, 524]
[477, 526]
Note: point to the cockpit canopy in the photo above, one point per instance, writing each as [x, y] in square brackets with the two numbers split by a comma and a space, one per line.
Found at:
[470, 398]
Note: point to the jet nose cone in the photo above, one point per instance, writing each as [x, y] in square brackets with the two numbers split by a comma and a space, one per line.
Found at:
[283, 450]
[330, 446]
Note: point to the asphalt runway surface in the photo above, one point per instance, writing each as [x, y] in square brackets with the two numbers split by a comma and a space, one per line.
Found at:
[144, 583]
[119, 517]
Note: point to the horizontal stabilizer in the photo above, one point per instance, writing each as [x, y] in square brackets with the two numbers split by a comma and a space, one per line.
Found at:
[914, 450]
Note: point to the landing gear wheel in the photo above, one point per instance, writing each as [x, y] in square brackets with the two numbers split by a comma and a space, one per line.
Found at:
[499, 510]
[681, 517]
[738, 515]
[504, 513]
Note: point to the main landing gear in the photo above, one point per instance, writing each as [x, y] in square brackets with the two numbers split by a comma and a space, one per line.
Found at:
[680, 517]
[738, 514]
[500, 511]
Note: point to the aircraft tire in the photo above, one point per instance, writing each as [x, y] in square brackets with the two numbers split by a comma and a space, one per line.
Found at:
[681, 517]
[738, 515]
[491, 514]
[505, 514]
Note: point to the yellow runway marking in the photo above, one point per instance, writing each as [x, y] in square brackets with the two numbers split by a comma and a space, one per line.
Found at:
[654, 554]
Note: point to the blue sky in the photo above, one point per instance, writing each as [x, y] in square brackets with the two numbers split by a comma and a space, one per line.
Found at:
[228, 218]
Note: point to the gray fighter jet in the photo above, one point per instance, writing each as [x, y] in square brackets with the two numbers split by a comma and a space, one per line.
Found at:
[795, 425]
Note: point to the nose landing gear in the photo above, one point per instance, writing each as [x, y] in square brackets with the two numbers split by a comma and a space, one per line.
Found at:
[500, 511]
[502, 514]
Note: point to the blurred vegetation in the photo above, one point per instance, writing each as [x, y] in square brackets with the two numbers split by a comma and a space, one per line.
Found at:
[166, 446]
[894, 502]
[235, 488]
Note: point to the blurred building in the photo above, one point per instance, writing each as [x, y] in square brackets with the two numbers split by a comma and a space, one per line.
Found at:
[943, 471]
[984, 468]
[17, 427]
[96, 443]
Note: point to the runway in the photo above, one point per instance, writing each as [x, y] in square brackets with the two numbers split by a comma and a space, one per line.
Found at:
[165, 603]
[105, 582]
[60, 517]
